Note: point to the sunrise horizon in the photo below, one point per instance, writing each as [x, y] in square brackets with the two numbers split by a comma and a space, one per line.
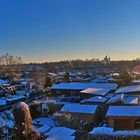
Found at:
[65, 30]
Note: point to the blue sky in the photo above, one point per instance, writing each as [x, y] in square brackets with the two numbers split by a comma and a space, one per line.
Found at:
[53, 30]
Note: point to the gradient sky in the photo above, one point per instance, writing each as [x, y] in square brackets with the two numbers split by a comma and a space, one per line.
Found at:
[53, 30]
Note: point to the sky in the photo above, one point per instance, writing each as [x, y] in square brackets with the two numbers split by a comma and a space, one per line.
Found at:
[53, 30]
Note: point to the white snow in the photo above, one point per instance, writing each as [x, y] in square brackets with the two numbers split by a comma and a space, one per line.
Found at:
[96, 91]
[77, 108]
[2, 82]
[126, 99]
[57, 137]
[24, 83]
[83, 86]
[14, 97]
[43, 129]
[128, 89]
[2, 102]
[129, 111]
[44, 121]
[95, 99]
[115, 98]
[101, 130]
[60, 133]
[136, 81]
[131, 100]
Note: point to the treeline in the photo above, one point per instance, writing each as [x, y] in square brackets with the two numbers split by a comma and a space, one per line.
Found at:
[88, 64]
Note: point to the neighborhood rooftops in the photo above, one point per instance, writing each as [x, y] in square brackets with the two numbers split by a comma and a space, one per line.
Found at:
[83, 86]
[77, 108]
[123, 111]
[96, 91]
[128, 89]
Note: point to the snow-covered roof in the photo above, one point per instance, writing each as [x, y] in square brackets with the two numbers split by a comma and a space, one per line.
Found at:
[2, 102]
[110, 95]
[128, 89]
[83, 86]
[60, 133]
[96, 91]
[131, 100]
[44, 121]
[24, 83]
[124, 111]
[136, 81]
[77, 108]
[3, 82]
[61, 137]
[14, 97]
[43, 129]
[115, 98]
[52, 74]
[95, 99]
[126, 99]
[101, 130]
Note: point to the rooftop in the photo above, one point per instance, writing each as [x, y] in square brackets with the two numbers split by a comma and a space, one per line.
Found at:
[128, 89]
[96, 91]
[83, 86]
[123, 111]
[60, 133]
[95, 99]
[77, 108]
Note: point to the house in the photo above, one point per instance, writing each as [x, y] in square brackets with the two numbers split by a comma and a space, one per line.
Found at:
[74, 88]
[123, 117]
[100, 102]
[86, 113]
[133, 89]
